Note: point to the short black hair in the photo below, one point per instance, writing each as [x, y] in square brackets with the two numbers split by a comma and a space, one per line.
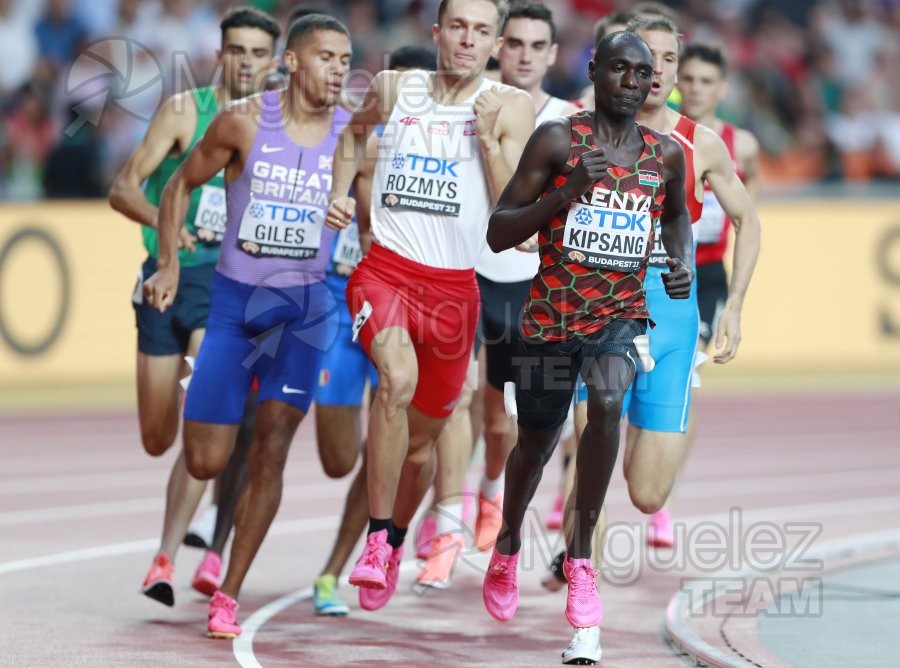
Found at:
[306, 25]
[621, 16]
[656, 23]
[413, 57]
[526, 9]
[611, 40]
[708, 53]
[249, 17]
[502, 11]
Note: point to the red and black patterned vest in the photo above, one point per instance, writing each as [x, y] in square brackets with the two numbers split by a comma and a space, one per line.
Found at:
[576, 292]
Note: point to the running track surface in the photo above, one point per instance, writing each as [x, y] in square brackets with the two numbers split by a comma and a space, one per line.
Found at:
[81, 508]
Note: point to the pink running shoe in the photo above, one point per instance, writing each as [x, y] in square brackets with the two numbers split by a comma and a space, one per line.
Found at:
[223, 617]
[554, 519]
[158, 583]
[426, 533]
[208, 576]
[373, 563]
[660, 533]
[375, 599]
[583, 607]
[437, 571]
[500, 591]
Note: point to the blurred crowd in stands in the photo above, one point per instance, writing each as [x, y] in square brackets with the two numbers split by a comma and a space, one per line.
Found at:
[814, 80]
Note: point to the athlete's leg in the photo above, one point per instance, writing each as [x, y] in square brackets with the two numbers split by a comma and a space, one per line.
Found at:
[453, 452]
[652, 460]
[597, 448]
[276, 423]
[338, 436]
[208, 576]
[388, 437]
[183, 494]
[418, 466]
[231, 481]
[353, 523]
[159, 400]
[499, 434]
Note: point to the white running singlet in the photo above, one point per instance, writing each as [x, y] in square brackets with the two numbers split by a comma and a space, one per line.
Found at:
[430, 197]
[512, 266]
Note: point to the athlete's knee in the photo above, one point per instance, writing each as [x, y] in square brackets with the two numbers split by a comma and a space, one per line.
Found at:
[396, 387]
[420, 450]
[202, 463]
[604, 409]
[156, 444]
[495, 432]
[338, 461]
[647, 498]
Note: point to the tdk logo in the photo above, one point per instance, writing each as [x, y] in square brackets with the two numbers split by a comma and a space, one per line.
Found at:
[290, 214]
[613, 220]
[428, 165]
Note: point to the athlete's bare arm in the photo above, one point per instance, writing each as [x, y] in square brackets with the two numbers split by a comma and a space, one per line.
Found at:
[363, 188]
[504, 122]
[169, 133]
[675, 222]
[350, 151]
[519, 213]
[226, 144]
[746, 147]
[718, 170]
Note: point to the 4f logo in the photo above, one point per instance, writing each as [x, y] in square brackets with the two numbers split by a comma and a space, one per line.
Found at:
[409, 120]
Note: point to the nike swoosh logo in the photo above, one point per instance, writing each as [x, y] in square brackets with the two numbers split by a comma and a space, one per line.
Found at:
[291, 390]
[271, 149]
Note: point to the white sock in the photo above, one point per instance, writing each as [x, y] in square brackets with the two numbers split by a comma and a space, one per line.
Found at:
[449, 518]
[491, 488]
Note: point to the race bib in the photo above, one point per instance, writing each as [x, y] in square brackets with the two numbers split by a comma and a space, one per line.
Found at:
[604, 238]
[423, 183]
[708, 229]
[211, 215]
[658, 255]
[280, 229]
[347, 250]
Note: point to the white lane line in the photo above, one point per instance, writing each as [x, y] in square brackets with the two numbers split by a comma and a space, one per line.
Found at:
[136, 546]
[113, 550]
[243, 644]
[115, 507]
[85, 511]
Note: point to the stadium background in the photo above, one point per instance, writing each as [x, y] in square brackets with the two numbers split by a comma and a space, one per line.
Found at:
[81, 79]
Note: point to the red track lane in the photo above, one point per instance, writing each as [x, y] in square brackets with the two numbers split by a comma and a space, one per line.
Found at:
[81, 505]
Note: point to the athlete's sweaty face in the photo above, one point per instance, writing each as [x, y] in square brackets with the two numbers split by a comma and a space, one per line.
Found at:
[622, 74]
[322, 63]
[247, 57]
[467, 35]
[702, 87]
[527, 52]
[664, 46]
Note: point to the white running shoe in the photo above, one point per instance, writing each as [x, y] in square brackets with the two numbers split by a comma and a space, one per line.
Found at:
[200, 532]
[584, 650]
